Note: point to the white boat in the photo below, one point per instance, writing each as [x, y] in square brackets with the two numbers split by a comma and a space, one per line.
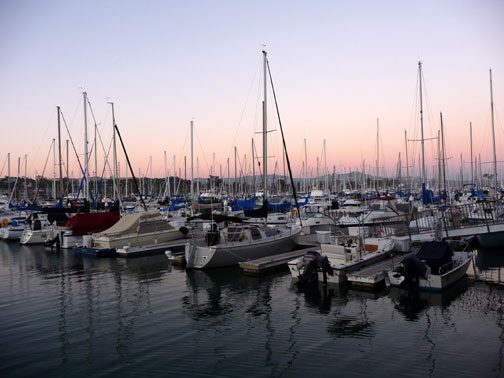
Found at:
[435, 267]
[340, 258]
[135, 230]
[33, 236]
[12, 227]
[314, 221]
[240, 242]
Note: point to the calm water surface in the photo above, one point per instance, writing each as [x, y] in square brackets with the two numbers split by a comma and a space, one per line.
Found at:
[63, 315]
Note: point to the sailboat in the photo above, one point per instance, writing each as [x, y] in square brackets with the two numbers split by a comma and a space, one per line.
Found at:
[236, 243]
[496, 239]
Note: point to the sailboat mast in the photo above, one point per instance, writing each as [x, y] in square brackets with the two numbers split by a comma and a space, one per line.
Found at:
[54, 169]
[192, 164]
[265, 131]
[59, 148]
[86, 168]
[253, 166]
[377, 152]
[406, 145]
[493, 135]
[472, 169]
[421, 122]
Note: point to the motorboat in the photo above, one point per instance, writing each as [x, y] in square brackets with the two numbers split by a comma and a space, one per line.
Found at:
[434, 267]
[137, 229]
[332, 262]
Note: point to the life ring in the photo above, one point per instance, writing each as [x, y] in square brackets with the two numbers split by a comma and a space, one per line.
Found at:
[294, 212]
[5, 222]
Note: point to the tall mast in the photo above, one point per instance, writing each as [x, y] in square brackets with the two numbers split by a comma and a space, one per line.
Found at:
[253, 166]
[59, 148]
[165, 175]
[86, 168]
[325, 168]
[114, 152]
[421, 122]
[406, 145]
[472, 171]
[443, 152]
[67, 162]
[377, 151]
[265, 130]
[8, 172]
[54, 169]
[235, 185]
[305, 166]
[493, 135]
[25, 195]
[192, 163]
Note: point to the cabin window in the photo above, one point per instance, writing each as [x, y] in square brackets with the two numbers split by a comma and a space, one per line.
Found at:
[256, 235]
[271, 232]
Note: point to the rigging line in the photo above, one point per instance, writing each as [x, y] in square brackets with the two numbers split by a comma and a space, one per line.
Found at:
[45, 133]
[203, 152]
[71, 140]
[181, 153]
[244, 108]
[284, 145]
[42, 175]
[5, 162]
[131, 169]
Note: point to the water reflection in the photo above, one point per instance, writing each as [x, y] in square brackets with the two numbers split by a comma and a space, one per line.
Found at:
[412, 303]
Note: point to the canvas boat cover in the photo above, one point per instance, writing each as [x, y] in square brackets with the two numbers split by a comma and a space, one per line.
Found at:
[88, 223]
[435, 254]
[128, 224]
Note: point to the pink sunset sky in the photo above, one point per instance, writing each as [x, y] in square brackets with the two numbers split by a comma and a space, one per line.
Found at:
[337, 66]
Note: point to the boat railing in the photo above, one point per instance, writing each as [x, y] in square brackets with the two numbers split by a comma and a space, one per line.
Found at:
[442, 218]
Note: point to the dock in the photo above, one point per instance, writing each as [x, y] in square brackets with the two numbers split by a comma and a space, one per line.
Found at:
[151, 249]
[272, 263]
[373, 277]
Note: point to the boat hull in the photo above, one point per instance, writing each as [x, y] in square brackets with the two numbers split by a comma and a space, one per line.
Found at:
[33, 237]
[491, 240]
[135, 240]
[340, 271]
[203, 257]
[435, 282]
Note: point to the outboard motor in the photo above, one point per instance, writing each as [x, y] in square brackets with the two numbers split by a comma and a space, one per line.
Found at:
[314, 262]
[411, 268]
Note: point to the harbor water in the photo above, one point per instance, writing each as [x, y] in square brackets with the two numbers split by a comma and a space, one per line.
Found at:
[65, 315]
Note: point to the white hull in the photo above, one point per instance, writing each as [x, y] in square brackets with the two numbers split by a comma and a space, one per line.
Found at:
[437, 282]
[135, 240]
[227, 254]
[11, 233]
[33, 237]
[340, 270]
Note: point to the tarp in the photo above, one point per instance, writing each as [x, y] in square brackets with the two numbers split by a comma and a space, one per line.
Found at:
[435, 254]
[129, 223]
[88, 223]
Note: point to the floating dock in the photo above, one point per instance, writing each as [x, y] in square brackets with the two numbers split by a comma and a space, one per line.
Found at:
[373, 277]
[272, 263]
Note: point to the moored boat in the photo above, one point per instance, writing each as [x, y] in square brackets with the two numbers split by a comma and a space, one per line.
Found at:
[434, 267]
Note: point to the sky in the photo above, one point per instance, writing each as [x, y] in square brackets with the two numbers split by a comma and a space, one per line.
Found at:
[337, 67]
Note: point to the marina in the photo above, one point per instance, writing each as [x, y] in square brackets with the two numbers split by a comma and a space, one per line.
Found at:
[251, 189]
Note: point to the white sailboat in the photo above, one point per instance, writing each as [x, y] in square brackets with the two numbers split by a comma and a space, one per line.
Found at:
[234, 244]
